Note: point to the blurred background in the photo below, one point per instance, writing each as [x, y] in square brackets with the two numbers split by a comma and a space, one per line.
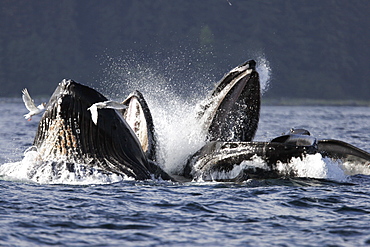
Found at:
[315, 49]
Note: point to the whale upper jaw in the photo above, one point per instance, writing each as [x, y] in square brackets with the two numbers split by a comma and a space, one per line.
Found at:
[231, 113]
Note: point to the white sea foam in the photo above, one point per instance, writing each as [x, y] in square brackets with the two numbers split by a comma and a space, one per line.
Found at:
[255, 163]
[314, 166]
[311, 166]
[32, 169]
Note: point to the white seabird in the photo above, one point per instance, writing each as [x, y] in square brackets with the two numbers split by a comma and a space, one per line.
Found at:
[30, 105]
[104, 105]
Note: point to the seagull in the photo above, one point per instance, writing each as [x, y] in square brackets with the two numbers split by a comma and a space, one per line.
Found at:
[30, 105]
[104, 105]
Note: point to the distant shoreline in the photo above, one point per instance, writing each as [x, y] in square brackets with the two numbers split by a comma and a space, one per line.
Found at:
[266, 102]
[314, 102]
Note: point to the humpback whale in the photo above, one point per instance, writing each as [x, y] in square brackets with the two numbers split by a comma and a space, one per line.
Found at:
[231, 113]
[66, 132]
[120, 138]
[216, 159]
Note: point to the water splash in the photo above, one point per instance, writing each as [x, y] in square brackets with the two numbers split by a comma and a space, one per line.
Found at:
[162, 84]
[311, 166]
[315, 166]
[32, 169]
[264, 71]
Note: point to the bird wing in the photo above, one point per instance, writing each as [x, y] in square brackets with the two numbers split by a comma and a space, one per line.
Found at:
[104, 105]
[115, 105]
[28, 101]
[94, 113]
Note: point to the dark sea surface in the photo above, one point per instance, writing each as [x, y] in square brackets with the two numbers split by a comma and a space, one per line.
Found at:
[327, 210]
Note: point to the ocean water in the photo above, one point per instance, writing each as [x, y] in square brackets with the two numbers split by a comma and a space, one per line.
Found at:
[321, 207]
[318, 209]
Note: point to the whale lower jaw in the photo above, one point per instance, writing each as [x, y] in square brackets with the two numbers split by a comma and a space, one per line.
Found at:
[239, 161]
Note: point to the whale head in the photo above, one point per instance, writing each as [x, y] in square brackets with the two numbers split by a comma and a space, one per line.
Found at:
[67, 132]
[231, 112]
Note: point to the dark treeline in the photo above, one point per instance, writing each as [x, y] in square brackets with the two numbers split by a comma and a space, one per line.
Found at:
[316, 49]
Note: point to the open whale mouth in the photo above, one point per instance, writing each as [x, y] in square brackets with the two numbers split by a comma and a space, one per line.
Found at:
[67, 131]
[231, 113]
